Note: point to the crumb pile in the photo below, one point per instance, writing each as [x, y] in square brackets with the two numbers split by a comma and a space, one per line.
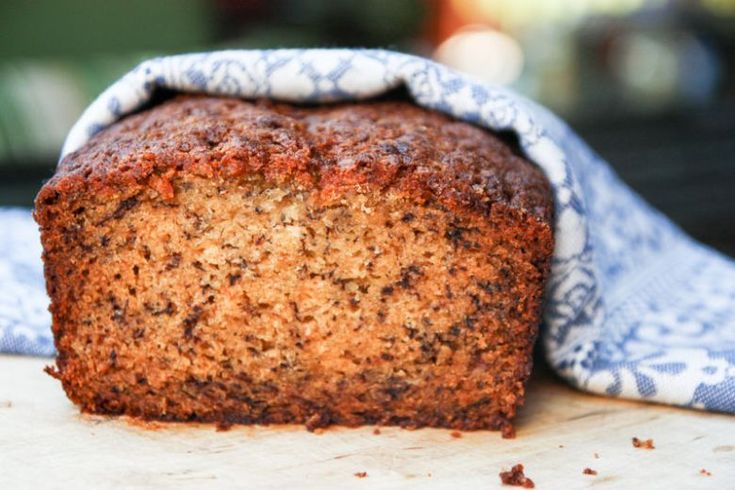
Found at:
[516, 478]
[643, 443]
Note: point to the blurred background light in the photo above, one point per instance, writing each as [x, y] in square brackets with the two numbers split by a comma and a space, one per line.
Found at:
[483, 53]
[647, 66]
[720, 7]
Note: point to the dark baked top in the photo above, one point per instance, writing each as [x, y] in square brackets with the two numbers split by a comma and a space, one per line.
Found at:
[329, 148]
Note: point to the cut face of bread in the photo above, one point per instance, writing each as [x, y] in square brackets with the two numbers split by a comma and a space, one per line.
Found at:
[251, 299]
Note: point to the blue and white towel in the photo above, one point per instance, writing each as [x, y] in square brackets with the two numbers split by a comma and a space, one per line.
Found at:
[635, 308]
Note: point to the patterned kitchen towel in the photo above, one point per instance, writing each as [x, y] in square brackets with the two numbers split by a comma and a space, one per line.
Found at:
[24, 316]
[635, 308]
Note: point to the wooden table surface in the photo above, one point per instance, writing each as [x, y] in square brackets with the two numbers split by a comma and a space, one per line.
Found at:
[46, 443]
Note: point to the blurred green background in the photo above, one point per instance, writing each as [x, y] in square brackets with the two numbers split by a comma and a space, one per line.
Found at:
[649, 84]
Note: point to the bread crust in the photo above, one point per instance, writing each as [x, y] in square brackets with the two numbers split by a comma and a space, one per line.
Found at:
[329, 148]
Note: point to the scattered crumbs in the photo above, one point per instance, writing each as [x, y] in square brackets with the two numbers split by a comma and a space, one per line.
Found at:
[561, 446]
[376, 431]
[456, 434]
[643, 444]
[597, 456]
[6, 404]
[704, 472]
[589, 471]
[516, 478]
[429, 474]
[361, 474]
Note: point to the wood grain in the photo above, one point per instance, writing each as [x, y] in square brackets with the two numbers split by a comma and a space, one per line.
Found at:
[46, 443]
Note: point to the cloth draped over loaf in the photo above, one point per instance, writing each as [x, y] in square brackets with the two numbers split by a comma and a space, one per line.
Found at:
[634, 307]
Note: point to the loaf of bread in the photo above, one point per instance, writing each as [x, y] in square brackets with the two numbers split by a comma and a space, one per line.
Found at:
[220, 260]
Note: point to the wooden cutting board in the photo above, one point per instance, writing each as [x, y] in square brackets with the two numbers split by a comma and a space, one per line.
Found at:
[46, 443]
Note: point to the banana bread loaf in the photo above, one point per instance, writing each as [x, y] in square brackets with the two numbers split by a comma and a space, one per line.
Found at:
[219, 260]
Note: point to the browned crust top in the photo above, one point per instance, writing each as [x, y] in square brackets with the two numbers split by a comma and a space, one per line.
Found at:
[326, 148]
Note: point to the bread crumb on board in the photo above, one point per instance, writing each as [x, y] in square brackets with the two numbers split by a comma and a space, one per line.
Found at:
[704, 472]
[516, 478]
[589, 471]
[361, 474]
[643, 443]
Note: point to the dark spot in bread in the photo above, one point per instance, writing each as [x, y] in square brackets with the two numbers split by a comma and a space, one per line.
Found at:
[191, 321]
